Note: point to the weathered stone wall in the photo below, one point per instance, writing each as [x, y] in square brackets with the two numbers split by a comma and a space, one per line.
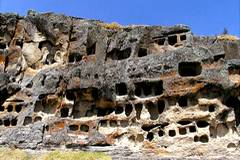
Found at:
[71, 82]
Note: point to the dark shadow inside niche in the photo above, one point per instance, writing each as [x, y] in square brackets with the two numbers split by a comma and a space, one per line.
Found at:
[202, 124]
[1, 108]
[182, 131]
[184, 122]
[234, 102]
[113, 123]
[121, 89]
[172, 133]
[10, 108]
[153, 110]
[218, 57]
[150, 136]
[183, 101]
[91, 49]
[148, 88]
[128, 109]
[203, 139]
[19, 42]
[73, 127]
[18, 108]
[38, 106]
[138, 108]
[160, 41]
[161, 106]
[172, 40]
[3, 46]
[211, 91]
[211, 108]
[142, 52]
[117, 54]
[74, 57]
[186, 69]
[64, 112]
[70, 95]
[84, 128]
[37, 119]
[234, 70]
[104, 111]
[1, 122]
[103, 123]
[192, 129]
[14, 122]
[160, 133]
[149, 127]
[6, 122]
[27, 121]
[119, 110]
[183, 37]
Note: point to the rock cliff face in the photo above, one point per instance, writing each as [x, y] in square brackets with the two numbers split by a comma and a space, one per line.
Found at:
[71, 82]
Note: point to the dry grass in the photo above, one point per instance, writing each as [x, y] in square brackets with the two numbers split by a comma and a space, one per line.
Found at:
[227, 37]
[113, 26]
[17, 154]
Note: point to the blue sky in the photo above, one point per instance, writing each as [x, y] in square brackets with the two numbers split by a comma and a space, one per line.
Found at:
[205, 17]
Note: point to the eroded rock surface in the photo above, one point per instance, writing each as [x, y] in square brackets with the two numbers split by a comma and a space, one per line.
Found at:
[71, 82]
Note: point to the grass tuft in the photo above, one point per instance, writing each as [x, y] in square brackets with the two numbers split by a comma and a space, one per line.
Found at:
[227, 37]
[113, 26]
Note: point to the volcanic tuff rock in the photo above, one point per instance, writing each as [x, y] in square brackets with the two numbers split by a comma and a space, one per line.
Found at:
[72, 82]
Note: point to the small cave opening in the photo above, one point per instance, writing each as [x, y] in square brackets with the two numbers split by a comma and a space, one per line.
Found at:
[195, 138]
[74, 57]
[161, 106]
[234, 70]
[192, 129]
[161, 41]
[113, 123]
[38, 106]
[14, 122]
[153, 110]
[18, 108]
[70, 95]
[117, 54]
[121, 89]
[202, 124]
[184, 122]
[1, 108]
[3, 46]
[19, 43]
[183, 101]
[152, 88]
[182, 131]
[211, 108]
[149, 127]
[142, 52]
[172, 133]
[10, 108]
[103, 112]
[91, 49]
[150, 136]
[1, 122]
[203, 139]
[64, 112]
[27, 120]
[119, 110]
[103, 123]
[172, 40]
[183, 37]
[213, 132]
[218, 57]
[73, 127]
[128, 109]
[233, 102]
[37, 118]
[84, 128]
[124, 123]
[138, 108]
[186, 69]
[6, 122]
[160, 133]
